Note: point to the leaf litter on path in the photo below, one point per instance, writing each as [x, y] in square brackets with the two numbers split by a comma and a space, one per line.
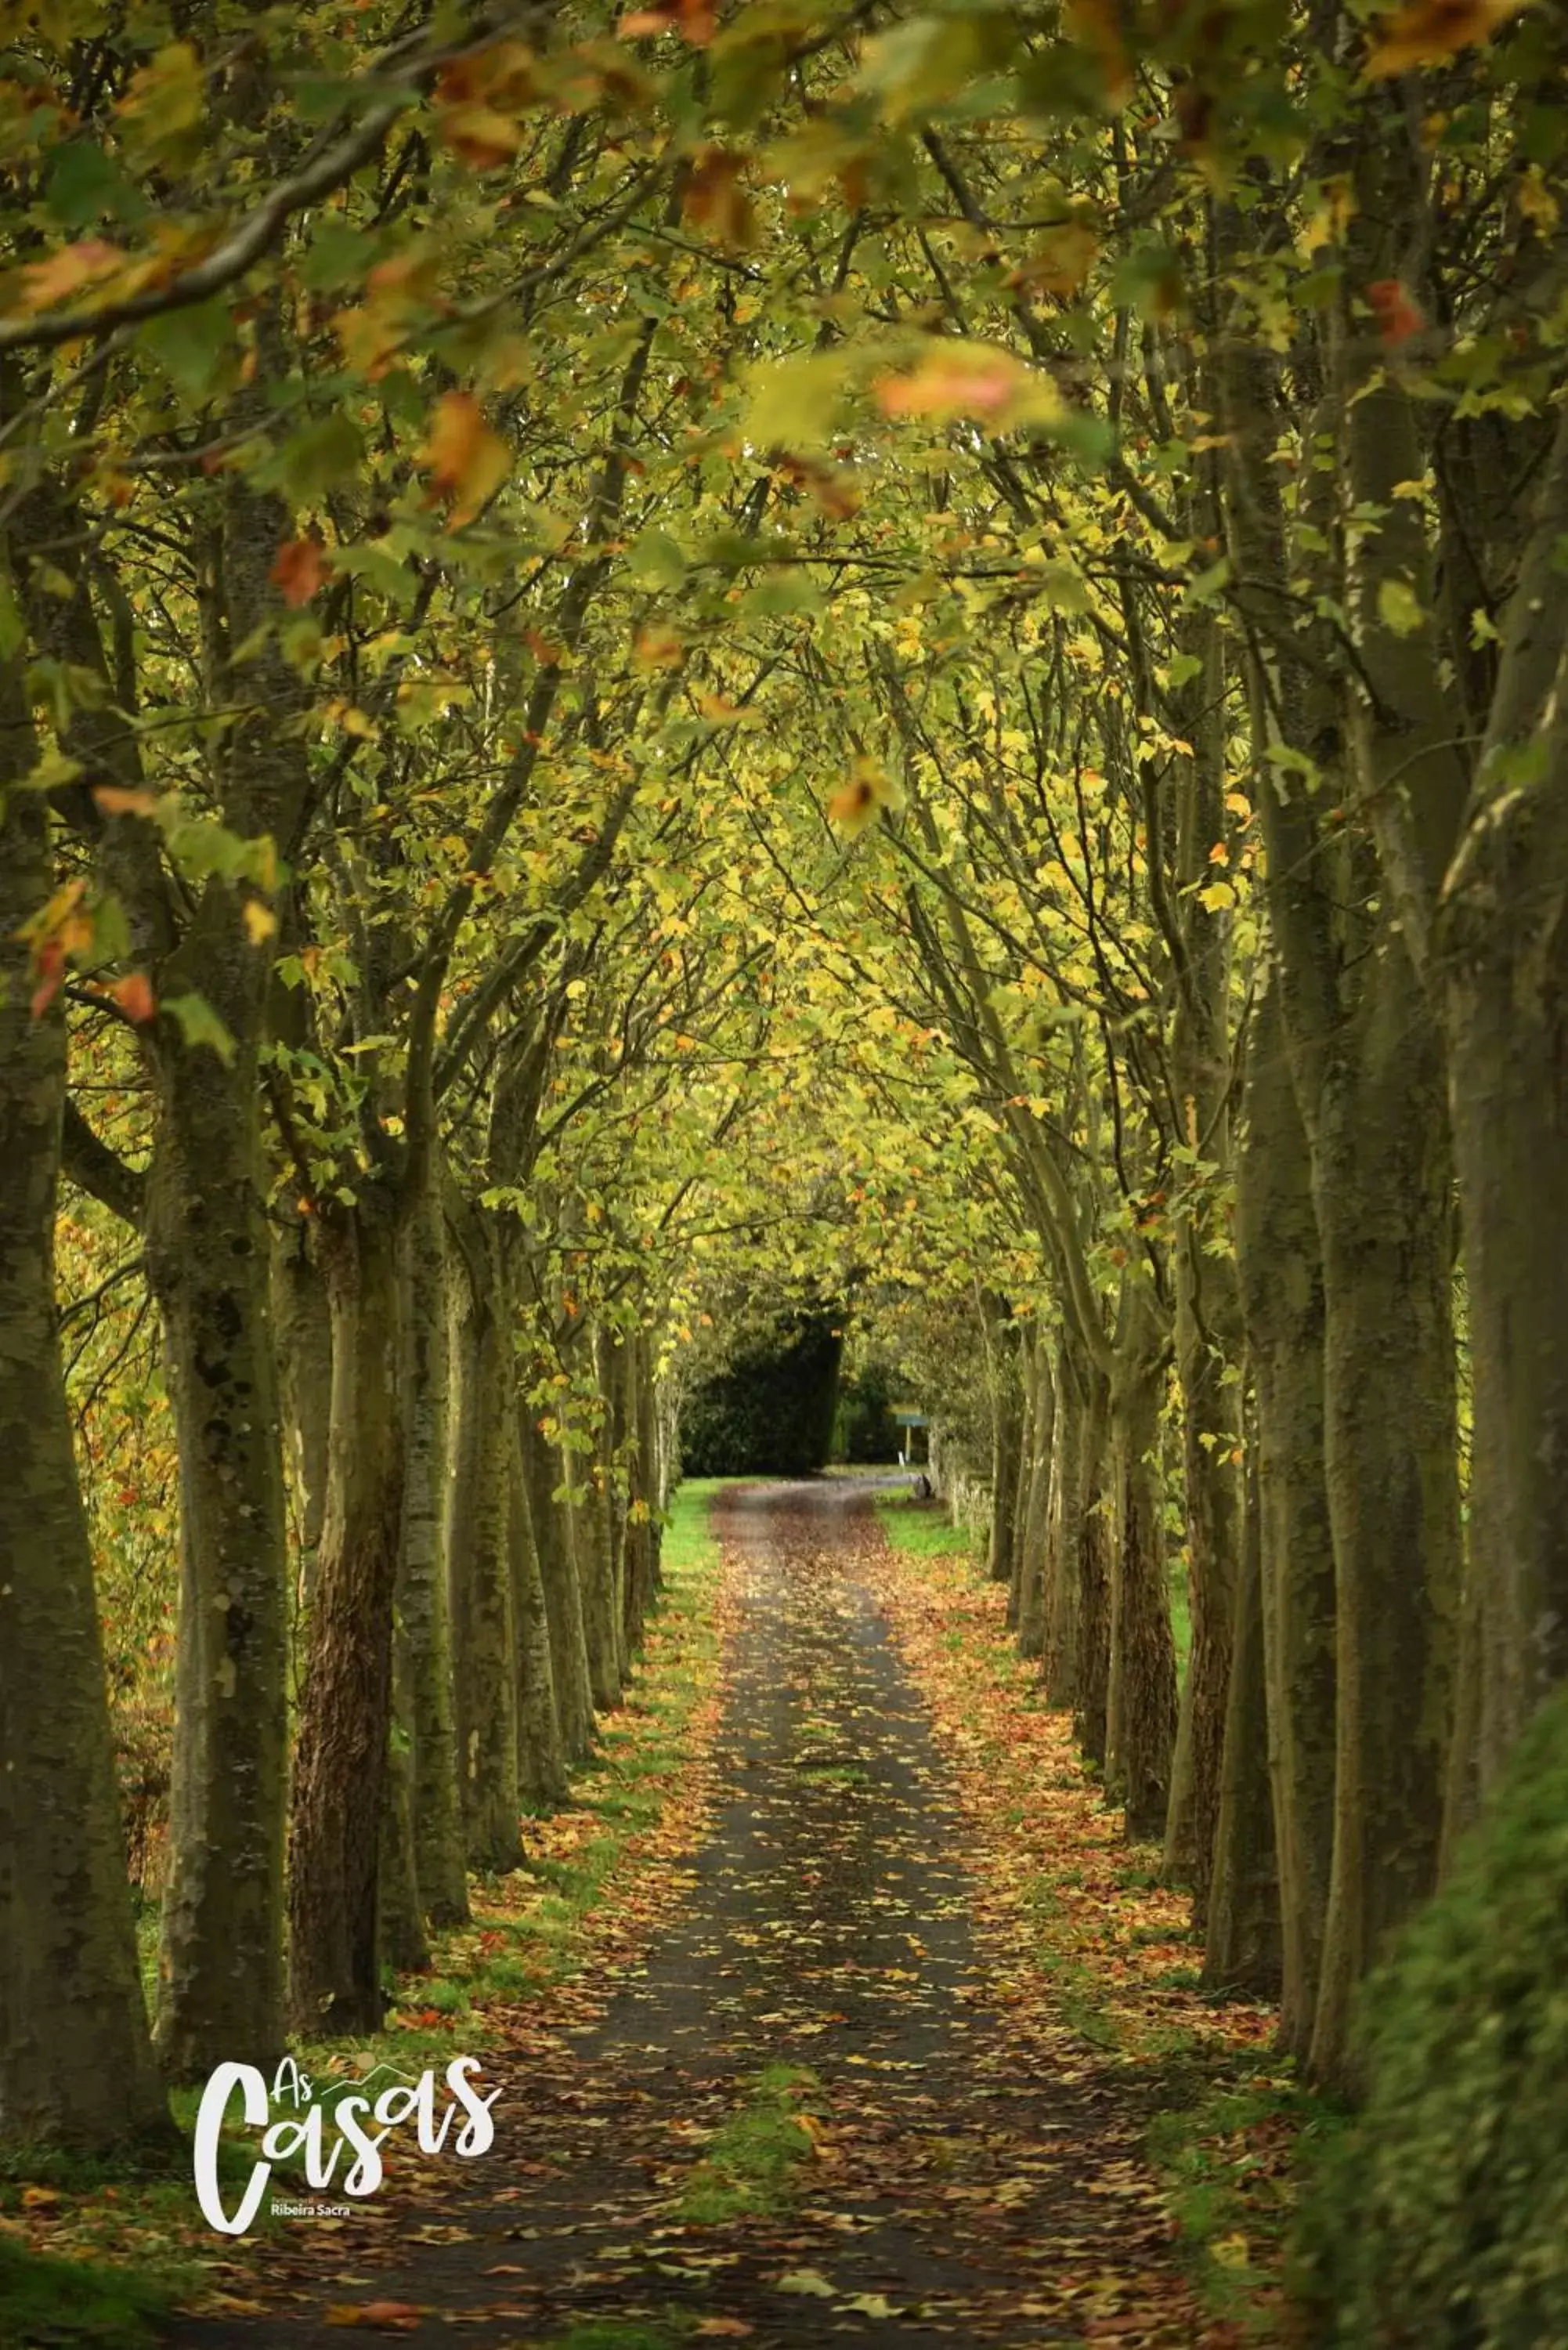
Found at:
[847, 1892]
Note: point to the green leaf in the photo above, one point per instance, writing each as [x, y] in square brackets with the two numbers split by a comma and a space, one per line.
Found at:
[85, 185]
[194, 347]
[1399, 608]
[311, 463]
[656, 561]
[795, 404]
[199, 1025]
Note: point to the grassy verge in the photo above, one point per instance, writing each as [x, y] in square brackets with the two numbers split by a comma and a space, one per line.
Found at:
[748, 2171]
[607, 1865]
[923, 1529]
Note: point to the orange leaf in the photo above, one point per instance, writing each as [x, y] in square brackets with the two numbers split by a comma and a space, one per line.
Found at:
[1398, 314]
[731, 2328]
[298, 569]
[50, 962]
[463, 458]
[116, 801]
[1429, 32]
[695, 20]
[135, 997]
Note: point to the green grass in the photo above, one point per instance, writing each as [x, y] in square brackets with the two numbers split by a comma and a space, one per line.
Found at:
[748, 2171]
[1219, 2150]
[48, 2302]
[923, 1529]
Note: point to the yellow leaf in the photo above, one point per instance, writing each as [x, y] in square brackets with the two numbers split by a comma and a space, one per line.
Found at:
[260, 921]
[1217, 897]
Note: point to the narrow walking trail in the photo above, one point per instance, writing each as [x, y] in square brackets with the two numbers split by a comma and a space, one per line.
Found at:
[959, 2188]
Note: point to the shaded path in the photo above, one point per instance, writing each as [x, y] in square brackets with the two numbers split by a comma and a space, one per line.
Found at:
[828, 1927]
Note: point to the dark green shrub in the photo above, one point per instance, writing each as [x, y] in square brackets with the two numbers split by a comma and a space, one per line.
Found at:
[771, 1412]
[1438, 2218]
[864, 1428]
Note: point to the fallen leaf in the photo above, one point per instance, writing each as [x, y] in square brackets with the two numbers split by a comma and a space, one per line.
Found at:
[807, 2281]
[390, 2317]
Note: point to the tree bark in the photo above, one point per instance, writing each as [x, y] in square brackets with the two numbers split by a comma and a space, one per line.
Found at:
[1382, 1189]
[424, 1631]
[1140, 1703]
[1031, 1592]
[1243, 1928]
[340, 1762]
[541, 1754]
[480, 1567]
[1280, 1269]
[76, 2062]
[1096, 1486]
[1500, 948]
[544, 1475]
[303, 1328]
[1006, 1439]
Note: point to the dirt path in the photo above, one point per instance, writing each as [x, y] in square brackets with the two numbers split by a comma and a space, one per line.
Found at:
[954, 2183]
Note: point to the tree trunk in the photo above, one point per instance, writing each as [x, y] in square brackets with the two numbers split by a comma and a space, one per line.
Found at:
[303, 1329]
[609, 1364]
[1381, 1186]
[1140, 1703]
[1501, 949]
[1006, 1441]
[1280, 1270]
[1096, 1532]
[1207, 1317]
[544, 1474]
[424, 1630]
[1028, 1341]
[480, 1568]
[400, 1910]
[208, 1263]
[340, 1762]
[1065, 1534]
[76, 2064]
[540, 1757]
[1033, 1532]
[1242, 1929]
[589, 1523]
